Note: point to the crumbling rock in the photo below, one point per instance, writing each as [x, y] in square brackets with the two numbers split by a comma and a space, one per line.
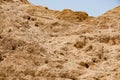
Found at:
[14, 1]
[70, 15]
[41, 44]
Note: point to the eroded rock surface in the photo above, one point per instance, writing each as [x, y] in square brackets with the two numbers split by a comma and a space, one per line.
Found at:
[41, 44]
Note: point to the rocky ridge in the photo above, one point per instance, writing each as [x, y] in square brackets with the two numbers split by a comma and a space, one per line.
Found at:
[41, 44]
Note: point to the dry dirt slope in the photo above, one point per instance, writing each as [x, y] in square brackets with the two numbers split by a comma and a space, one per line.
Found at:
[41, 44]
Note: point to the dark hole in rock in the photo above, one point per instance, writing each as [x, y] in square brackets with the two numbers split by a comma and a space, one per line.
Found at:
[94, 61]
[61, 53]
[28, 17]
[36, 25]
[86, 65]
[0, 37]
[96, 78]
[46, 61]
[73, 79]
[13, 47]
[105, 58]
[1, 58]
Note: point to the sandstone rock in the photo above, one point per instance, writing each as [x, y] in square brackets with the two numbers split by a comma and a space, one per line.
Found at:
[70, 15]
[41, 44]
[14, 1]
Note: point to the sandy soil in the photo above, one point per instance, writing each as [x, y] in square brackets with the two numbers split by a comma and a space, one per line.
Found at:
[41, 44]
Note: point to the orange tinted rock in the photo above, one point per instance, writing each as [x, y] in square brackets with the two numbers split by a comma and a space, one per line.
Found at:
[70, 15]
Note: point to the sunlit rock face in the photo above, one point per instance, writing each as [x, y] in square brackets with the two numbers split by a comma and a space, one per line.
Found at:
[41, 44]
[12, 1]
[69, 15]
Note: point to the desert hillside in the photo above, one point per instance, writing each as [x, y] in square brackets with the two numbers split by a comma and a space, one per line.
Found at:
[37, 43]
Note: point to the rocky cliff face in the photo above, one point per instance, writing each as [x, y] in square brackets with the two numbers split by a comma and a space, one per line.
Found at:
[41, 44]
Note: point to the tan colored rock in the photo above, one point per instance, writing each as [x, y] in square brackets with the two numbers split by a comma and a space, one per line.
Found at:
[70, 15]
[41, 44]
[14, 1]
